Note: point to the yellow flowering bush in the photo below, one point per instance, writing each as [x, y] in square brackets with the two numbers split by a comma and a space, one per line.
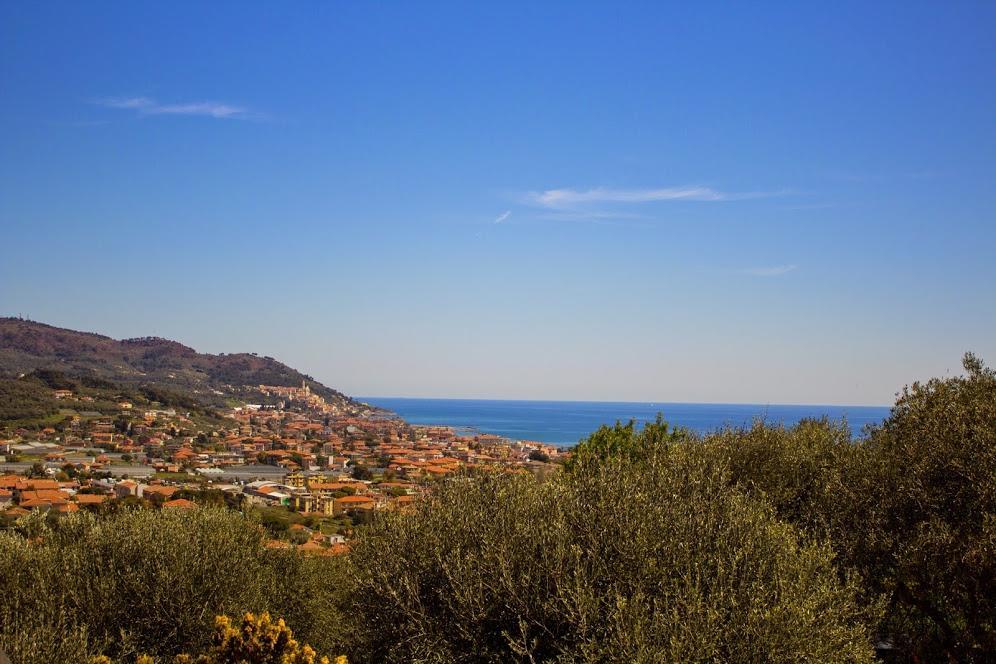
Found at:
[257, 640]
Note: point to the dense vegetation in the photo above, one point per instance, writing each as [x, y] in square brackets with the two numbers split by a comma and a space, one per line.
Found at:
[150, 582]
[29, 400]
[653, 545]
[25, 400]
[651, 561]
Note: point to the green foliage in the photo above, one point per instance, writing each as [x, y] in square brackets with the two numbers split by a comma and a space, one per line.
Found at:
[639, 560]
[927, 524]
[54, 380]
[169, 398]
[805, 472]
[361, 472]
[626, 441]
[33, 626]
[911, 510]
[211, 498]
[276, 520]
[29, 401]
[257, 640]
[87, 380]
[24, 399]
[145, 582]
[539, 455]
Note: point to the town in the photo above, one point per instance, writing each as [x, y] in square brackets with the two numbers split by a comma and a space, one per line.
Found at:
[313, 472]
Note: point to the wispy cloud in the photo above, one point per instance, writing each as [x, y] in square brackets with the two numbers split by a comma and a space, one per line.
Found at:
[503, 216]
[127, 102]
[772, 271]
[149, 106]
[559, 199]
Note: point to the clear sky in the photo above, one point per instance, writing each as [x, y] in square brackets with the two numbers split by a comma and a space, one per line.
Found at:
[739, 202]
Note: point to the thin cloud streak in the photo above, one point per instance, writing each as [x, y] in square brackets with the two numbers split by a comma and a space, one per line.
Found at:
[503, 216]
[149, 106]
[773, 271]
[127, 102]
[568, 198]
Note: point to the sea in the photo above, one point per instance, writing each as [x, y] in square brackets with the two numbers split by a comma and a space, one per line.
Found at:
[566, 422]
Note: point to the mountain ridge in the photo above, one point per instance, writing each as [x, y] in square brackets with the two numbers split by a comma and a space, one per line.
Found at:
[27, 346]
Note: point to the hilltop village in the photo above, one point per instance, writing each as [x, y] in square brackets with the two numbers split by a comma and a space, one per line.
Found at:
[312, 471]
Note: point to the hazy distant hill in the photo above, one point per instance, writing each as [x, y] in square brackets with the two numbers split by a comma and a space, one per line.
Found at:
[26, 346]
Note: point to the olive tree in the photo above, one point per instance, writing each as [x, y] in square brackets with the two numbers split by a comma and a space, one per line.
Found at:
[654, 557]
[927, 536]
[150, 582]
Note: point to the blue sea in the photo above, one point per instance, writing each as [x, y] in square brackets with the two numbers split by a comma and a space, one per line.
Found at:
[566, 422]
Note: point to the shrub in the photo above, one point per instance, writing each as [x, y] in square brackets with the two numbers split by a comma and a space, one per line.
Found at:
[146, 582]
[33, 626]
[928, 533]
[643, 557]
[804, 472]
[257, 640]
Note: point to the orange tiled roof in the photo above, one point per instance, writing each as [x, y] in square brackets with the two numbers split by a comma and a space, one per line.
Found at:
[37, 484]
[44, 494]
[35, 502]
[181, 503]
[164, 491]
[314, 548]
[354, 500]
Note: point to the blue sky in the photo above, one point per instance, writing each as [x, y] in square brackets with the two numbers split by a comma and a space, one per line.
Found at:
[767, 202]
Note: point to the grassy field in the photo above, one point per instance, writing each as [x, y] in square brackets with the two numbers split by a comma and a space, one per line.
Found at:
[180, 477]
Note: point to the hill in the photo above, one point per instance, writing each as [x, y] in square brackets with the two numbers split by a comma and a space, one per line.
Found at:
[150, 362]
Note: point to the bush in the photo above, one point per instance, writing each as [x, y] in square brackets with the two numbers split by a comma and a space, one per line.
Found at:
[147, 582]
[927, 536]
[804, 471]
[257, 640]
[33, 626]
[643, 558]
[25, 398]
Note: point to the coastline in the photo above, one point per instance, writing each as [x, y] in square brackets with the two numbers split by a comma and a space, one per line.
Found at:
[564, 423]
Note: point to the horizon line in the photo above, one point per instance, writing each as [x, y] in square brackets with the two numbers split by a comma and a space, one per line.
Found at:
[650, 403]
